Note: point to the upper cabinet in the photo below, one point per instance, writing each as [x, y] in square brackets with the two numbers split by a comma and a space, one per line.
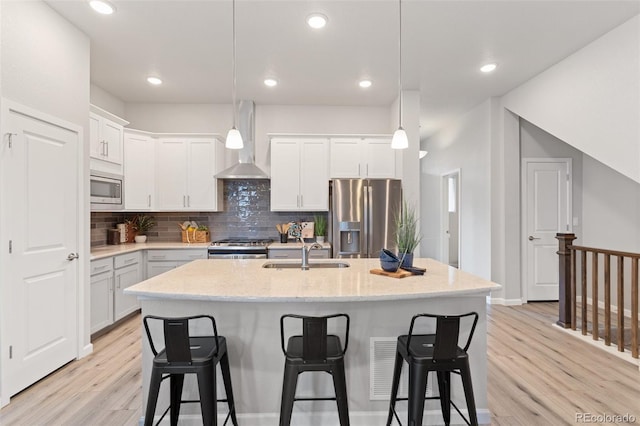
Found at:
[139, 171]
[299, 174]
[362, 157]
[185, 173]
[106, 135]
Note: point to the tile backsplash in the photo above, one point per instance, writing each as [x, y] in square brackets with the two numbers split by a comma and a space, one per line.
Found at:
[246, 214]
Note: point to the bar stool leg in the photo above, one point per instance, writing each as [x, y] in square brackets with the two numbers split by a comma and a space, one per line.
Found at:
[175, 383]
[226, 377]
[288, 393]
[152, 397]
[465, 373]
[417, 390]
[397, 371]
[444, 387]
[206, 380]
[340, 385]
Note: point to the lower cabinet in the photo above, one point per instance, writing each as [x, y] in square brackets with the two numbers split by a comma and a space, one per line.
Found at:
[160, 261]
[109, 278]
[297, 254]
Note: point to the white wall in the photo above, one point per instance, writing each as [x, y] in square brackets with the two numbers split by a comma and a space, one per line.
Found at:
[46, 61]
[105, 100]
[466, 145]
[611, 208]
[591, 100]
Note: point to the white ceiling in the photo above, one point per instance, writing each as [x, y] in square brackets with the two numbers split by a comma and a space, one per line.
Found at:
[188, 44]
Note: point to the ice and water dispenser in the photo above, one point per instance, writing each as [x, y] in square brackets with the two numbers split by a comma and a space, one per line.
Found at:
[349, 238]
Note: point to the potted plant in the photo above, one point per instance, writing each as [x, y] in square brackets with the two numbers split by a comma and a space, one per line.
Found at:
[141, 224]
[407, 233]
[320, 228]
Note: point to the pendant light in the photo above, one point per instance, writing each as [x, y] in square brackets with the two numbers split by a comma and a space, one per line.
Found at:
[234, 138]
[400, 140]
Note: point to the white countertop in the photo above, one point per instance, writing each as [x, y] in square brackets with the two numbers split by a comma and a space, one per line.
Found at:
[112, 250]
[247, 281]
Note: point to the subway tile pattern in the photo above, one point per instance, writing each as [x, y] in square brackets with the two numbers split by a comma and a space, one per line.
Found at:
[246, 214]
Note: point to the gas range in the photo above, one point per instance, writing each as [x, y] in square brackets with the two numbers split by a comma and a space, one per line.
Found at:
[239, 248]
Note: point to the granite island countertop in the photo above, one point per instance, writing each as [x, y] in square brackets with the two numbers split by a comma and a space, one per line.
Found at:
[245, 280]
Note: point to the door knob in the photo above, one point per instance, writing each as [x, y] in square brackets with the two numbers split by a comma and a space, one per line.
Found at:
[531, 238]
[72, 256]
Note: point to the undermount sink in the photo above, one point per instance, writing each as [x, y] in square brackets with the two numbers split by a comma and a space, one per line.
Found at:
[275, 265]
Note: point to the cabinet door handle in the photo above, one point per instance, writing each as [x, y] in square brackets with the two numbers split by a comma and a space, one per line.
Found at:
[118, 284]
[184, 201]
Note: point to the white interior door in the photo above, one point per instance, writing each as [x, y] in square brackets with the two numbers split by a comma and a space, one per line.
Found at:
[40, 275]
[547, 209]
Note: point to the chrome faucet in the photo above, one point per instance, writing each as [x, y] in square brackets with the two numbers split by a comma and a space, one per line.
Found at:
[305, 253]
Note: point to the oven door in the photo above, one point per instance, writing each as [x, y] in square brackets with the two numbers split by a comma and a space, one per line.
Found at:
[237, 255]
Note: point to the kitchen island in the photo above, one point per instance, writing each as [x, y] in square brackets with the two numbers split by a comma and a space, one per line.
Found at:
[247, 301]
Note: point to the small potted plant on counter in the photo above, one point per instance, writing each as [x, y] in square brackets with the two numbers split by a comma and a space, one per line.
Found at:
[407, 233]
[320, 228]
[141, 224]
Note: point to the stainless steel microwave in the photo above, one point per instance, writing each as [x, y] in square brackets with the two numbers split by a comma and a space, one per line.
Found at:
[106, 191]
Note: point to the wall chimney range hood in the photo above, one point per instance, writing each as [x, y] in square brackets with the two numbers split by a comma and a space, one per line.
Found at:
[246, 168]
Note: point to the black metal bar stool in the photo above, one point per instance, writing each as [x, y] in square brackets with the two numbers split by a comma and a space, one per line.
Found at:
[186, 354]
[437, 352]
[314, 350]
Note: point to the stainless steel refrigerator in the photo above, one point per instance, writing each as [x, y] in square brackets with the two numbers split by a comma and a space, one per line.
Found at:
[362, 214]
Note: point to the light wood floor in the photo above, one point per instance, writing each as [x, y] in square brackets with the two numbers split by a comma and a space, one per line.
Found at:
[537, 375]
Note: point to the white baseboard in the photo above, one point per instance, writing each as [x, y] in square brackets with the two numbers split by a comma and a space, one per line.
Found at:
[87, 350]
[431, 417]
[505, 302]
[614, 308]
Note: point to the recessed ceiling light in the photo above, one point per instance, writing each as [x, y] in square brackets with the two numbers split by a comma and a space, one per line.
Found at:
[317, 20]
[271, 82]
[365, 84]
[154, 80]
[488, 67]
[102, 6]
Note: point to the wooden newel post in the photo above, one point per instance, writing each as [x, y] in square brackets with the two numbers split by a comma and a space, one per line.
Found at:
[564, 279]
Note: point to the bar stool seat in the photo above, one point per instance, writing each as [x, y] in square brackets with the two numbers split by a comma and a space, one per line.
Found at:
[437, 352]
[186, 354]
[313, 350]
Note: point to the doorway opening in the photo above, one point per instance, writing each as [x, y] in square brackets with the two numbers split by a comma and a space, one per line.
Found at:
[451, 218]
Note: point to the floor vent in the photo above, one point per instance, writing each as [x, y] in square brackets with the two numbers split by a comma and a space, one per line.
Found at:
[382, 355]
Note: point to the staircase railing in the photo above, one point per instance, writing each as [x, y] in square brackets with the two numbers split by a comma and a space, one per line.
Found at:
[590, 261]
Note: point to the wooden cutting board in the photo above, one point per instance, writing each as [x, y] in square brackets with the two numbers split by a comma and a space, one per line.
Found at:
[400, 273]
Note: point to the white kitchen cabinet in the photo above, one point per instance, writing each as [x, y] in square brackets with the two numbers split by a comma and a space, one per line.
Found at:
[101, 294]
[127, 272]
[139, 171]
[299, 174]
[185, 174]
[106, 132]
[161, 261]
[362, 157]
[109, 277]
[297, 253]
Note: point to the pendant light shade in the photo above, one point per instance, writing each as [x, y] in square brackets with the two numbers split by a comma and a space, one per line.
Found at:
[400, 139]
[234, 138]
